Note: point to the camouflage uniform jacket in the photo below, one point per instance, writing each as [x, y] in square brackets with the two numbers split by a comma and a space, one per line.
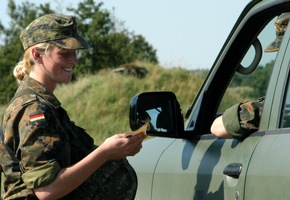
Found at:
[44, 139]
[243, 118]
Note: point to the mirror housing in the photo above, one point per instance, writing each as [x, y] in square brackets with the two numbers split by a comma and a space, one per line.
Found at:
[161, 109]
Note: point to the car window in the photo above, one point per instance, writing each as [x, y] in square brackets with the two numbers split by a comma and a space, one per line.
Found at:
[251, 86]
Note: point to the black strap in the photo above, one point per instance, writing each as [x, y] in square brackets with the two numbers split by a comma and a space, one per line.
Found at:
[10, 161]
[79, 139]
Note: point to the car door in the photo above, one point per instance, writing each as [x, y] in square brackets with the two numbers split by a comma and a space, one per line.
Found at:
[205, 167]
[193, 169]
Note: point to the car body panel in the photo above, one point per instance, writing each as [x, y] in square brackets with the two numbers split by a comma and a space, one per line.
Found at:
[268, 173]
[154, 149]
[200, 164]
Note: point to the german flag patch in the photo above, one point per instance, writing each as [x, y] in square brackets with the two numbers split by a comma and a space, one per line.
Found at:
[36, 117]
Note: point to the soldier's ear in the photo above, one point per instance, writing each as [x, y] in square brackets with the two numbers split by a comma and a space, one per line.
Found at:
[37, 56]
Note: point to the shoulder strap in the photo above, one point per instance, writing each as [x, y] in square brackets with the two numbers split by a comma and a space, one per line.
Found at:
[25, 91]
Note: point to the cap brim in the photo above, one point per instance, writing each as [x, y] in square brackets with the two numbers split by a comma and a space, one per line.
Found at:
[75, 42]
[274, 46]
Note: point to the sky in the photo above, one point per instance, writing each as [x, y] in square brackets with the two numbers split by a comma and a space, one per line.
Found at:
[185, 33]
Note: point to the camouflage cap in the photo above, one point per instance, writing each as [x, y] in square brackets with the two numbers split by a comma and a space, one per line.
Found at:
[281, 26]
[59, 30]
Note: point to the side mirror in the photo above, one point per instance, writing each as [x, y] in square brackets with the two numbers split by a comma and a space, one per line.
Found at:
[161, 110]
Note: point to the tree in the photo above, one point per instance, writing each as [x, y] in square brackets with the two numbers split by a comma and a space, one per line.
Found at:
[11, 50]
[258, 80]
[109, 47]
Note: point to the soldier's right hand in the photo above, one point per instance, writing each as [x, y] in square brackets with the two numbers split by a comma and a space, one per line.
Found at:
[119, 146]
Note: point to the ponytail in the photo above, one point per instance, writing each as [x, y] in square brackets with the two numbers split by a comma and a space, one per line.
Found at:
[24, 67]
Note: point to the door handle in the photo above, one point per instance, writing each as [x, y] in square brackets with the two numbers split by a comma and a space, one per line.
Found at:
[233, 170]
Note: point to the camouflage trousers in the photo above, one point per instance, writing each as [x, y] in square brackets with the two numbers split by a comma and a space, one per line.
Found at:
[115, 180]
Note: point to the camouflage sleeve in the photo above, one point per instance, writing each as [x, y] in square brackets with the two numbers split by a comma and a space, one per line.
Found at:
[242, 119]
[43, 145]
[231, 120]
[41, 175]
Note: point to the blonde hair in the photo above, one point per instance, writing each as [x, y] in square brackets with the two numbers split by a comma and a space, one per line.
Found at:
[24, 67]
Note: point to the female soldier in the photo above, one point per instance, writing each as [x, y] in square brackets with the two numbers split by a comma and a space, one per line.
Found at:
[57, 159]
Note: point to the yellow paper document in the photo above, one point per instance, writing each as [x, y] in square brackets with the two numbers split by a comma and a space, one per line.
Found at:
[140, 130]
